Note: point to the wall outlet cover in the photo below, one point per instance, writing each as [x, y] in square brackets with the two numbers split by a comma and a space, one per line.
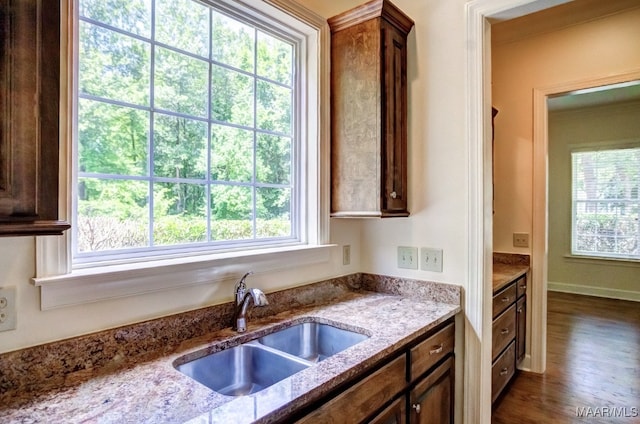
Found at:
[520, 239]
[7, 308]
[346, 254]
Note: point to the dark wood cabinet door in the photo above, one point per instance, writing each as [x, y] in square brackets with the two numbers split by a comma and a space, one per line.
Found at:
[394, 161]
[29, 113]
[431, 401]
[393, 414]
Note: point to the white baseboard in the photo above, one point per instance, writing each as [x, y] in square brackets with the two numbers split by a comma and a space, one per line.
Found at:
[594, 291]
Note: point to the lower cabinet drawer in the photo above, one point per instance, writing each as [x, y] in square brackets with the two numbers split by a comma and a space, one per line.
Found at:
[503, 369]
[359, 401]
[504, 330]
[503, 299]
[427, 353]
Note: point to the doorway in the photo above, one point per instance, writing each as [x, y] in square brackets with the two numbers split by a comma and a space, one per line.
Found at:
[481, 15]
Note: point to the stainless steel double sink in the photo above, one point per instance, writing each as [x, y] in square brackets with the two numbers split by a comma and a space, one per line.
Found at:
[258, 364]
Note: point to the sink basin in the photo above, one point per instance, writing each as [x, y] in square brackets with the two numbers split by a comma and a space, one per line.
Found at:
[241, 370]
[312, 341]
[256, 365]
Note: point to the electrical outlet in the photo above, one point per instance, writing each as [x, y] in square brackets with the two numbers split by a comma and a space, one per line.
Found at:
[431, 259]
[520, 239]
[7, 308]
[346, 254]
[407, 257]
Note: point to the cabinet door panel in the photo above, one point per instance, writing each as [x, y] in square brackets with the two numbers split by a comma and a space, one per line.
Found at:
[431, 401]
[29, 97]
[393, 414]
[395, 125]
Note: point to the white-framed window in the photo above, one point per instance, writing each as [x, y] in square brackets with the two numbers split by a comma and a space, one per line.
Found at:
[257, 155]
[188, 118]
[606, 202]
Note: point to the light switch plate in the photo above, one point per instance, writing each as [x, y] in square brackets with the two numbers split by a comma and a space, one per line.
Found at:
[431, 259]
[407, 257]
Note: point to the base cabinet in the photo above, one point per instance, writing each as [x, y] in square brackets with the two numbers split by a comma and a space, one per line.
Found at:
[415, 386]
[509, 333]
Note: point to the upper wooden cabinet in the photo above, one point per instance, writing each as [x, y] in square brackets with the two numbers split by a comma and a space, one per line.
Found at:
[369, 111]
[29, 130]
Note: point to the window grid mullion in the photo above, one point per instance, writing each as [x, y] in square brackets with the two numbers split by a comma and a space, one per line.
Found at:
[254, 189]
[151, 144]
[209, 184]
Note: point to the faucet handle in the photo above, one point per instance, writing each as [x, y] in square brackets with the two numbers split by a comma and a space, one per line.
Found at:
[241, 288]
[259, 298]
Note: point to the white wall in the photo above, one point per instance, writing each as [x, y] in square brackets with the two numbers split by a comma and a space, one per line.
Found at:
[602, 47]
[587, 126]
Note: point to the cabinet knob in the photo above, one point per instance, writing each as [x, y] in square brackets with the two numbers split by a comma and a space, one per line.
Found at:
[416, 406]
[504, 371]
[393, 194]
[523, 287]
[506, 299]
[504, 331]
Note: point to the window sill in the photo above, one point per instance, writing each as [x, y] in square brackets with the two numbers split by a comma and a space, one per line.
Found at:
[600, 260]
[109, 282]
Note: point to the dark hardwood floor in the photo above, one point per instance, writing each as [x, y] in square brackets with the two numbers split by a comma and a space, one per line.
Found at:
[593, 366]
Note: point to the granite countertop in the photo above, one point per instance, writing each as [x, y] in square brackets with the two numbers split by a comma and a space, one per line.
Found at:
[153, 391]
[505, 271]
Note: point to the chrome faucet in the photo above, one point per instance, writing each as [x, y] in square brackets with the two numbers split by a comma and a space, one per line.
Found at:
[239, 317]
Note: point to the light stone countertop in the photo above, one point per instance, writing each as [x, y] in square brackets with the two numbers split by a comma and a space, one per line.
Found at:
[153, 391]
[507, 267]
[503, 274]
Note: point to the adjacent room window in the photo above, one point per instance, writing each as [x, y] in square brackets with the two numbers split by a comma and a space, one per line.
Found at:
[188, 130]
[606, 203]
